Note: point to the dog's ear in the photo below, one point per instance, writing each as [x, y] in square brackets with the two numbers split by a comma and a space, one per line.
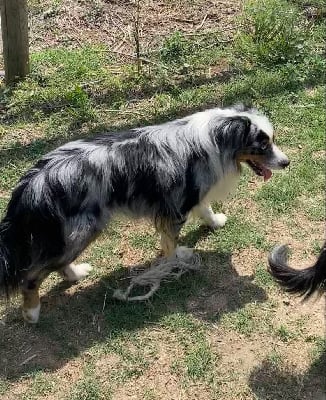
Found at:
[234, 131]
[240, 126]
[241, 123]
[246, 130]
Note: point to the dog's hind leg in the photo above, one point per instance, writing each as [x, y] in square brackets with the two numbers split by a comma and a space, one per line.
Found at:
[206, 213]
[31, 285]
[31, 298]
[83, 229]
[75, 272]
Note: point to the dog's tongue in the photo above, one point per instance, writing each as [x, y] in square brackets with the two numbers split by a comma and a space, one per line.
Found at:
[267, 173]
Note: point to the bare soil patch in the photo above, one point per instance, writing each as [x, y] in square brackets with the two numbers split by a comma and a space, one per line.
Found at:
[76, 22]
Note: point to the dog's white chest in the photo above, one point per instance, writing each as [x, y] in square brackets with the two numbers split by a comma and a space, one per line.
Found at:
[221, 190]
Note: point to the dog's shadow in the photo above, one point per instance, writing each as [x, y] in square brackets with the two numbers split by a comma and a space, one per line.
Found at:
[74, 320]
[271, 381]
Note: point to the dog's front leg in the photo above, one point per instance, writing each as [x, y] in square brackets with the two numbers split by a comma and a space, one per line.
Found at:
[168, 243]
[170, 231]
[206, 213]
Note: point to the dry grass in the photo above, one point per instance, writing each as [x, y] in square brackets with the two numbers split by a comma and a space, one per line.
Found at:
[74, 22]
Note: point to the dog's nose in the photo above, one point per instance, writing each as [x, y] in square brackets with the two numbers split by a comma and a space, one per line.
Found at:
[285, 163]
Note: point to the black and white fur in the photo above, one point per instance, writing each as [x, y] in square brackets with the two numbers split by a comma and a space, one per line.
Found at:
[305, 281]
[162, 172]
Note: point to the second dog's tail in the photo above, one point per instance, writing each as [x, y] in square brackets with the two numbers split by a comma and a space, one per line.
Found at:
[9, 272]
[305, 281]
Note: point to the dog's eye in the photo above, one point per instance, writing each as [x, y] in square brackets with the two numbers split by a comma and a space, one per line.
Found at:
[264, 145]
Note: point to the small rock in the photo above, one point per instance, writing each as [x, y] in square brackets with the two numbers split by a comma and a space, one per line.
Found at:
[300, 146]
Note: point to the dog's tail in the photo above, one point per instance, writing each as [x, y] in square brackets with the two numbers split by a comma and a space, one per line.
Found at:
[10, 272]
[305, 281]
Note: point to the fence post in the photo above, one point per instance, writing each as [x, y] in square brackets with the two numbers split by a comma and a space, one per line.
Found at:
[14, 27]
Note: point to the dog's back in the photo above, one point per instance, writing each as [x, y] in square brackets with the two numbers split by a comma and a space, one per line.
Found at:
[305, 281]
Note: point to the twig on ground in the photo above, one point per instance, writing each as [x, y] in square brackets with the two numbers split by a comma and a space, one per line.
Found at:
[27, 360]
[202, 23]
[104, 301]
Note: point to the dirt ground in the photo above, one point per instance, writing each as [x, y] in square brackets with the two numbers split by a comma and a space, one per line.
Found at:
[74, 23]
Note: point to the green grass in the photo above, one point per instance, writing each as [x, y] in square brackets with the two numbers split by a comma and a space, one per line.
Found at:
[263, 277]
[4, 386]
[274, 32]
[241, 321]
[143, 241]
[238, 233]
[86, 389]
[41, 386]
[319, 348]
[306, 177]
[186, 339]
[284, 333]
[274, 358]
[134, 358]
[199, 361]
[303, 134]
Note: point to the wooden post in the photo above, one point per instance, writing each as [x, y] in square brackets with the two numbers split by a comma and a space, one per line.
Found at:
[14, 26]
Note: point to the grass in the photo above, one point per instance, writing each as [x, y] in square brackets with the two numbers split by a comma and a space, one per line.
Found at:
[196, 338]
[284, 333]
[270, 38]
[86, 389]
[274, 358]
[263, 278]
[143, 241]
[239, 235]
[241, 321]
[41, 386]
[199, 361]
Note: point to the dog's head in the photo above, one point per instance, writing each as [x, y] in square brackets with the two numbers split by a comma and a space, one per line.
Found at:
[252, 140]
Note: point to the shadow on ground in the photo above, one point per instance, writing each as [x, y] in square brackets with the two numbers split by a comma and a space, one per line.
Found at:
[270, 382]
[71, 323]
[38, 147]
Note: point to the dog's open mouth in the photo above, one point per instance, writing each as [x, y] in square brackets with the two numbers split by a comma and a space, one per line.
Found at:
[260, 169]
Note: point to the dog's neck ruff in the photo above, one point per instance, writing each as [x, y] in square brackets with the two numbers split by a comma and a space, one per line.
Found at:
[222, 189]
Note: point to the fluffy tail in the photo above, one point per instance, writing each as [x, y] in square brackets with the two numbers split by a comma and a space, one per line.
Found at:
[9, 273]
[305, 281]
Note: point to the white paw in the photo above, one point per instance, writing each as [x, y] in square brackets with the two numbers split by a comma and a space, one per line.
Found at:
[183, 252]
[31, 315]
[217, 221]
[77, 272]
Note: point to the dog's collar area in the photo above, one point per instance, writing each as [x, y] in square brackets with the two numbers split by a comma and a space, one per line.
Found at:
[260, 169]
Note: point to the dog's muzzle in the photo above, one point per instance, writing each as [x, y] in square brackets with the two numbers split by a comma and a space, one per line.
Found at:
[278, 160]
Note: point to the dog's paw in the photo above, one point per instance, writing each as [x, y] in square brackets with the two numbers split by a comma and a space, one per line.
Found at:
[73, 272]
[31, 315]
[184, 253]
[218, 221]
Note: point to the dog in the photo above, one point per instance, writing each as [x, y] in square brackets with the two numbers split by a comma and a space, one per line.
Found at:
[162, 172]
[306, 281]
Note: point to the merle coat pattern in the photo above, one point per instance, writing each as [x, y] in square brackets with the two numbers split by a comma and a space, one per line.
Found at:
[161, 172]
